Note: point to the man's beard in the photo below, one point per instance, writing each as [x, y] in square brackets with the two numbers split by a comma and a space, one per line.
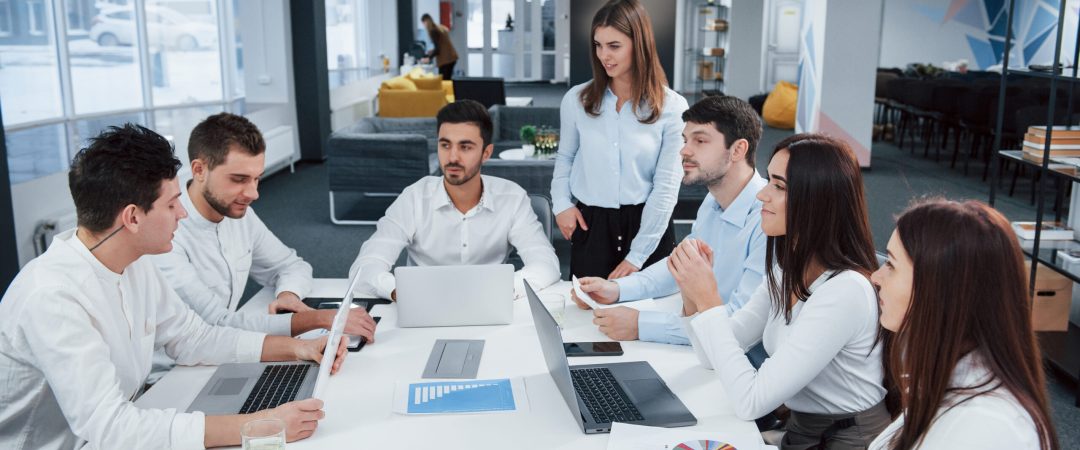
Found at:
[220, 206]
[465, 174]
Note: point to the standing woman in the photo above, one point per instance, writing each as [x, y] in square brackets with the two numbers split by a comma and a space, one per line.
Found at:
[955, 293]
[619, 151]
[445, 54]
[816, 313]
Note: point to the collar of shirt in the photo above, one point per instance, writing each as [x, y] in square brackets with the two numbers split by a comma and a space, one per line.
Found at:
[744, 203]
[102, 272]
[441, 198]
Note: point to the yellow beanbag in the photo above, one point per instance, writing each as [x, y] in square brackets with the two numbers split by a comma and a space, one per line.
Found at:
[780, 105]
[427, 83]
[399, 84]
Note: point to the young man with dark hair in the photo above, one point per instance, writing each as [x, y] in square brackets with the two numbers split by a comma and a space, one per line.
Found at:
[81, 321]
[721, 137]
[461, 217]
[223, 241]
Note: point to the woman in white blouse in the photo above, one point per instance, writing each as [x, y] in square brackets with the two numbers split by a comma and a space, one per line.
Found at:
[816, 313]
[618, 155]
[955, 293]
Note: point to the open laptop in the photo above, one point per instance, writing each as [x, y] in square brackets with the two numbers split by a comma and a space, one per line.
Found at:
[599, 394]
[249, 387]
[451, 296]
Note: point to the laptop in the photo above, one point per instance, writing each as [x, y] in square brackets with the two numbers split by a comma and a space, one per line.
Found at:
[454, 296]
[249, 387]
[600, 394]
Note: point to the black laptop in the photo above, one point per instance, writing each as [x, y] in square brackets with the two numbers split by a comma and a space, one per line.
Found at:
[600, 394]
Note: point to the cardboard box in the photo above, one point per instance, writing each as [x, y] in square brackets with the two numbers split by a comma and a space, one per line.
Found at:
[712, 51]
[1052, 301]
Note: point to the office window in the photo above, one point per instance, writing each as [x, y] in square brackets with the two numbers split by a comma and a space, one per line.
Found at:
[83, 130]
[347, 43]
[185, 60]
[29, 74]
[79, 15]
[36, 17]
[35, 152]
[104, 61]
[6, 25]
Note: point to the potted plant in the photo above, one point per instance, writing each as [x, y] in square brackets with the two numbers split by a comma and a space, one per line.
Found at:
[528, 139]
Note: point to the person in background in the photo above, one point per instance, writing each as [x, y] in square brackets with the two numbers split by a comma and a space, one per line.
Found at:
[721, 137]
[445, 54]
[954, 292]
[619, 151]
[816, 313]
[82, 320]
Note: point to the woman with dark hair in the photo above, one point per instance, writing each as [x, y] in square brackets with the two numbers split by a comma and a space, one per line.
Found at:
[816, 313]
[955, 293]
[445, 54]
[619, 147]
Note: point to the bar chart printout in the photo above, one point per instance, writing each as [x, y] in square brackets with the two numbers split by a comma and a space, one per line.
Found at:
[443, 397]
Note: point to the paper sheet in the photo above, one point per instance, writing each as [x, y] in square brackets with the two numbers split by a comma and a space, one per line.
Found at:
[585, 297]
[426, 397]
[637, 437]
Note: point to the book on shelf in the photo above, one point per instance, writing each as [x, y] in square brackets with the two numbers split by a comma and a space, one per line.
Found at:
[1054, 145]
[1051, 231]
[1059, 131]
[1066, 165]
[712, 51]
[1041, 140]
[1054, 153]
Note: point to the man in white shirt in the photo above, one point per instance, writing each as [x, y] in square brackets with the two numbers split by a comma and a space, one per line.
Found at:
[81, 321]
[223, 241]
[721, 137]
[460, 218]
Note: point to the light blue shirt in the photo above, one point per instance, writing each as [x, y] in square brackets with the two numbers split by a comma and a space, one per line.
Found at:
[612, 160]
[738, 263]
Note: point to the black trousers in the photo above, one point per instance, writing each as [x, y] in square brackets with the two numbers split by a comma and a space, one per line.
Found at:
[447, 71]
[596, 252]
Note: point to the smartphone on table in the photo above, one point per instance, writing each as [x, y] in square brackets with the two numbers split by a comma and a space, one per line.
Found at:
[592, 349]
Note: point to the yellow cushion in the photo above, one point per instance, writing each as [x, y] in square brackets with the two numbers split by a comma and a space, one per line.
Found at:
[416, 72]
[399, 84]
[780, 105]
[428, 83]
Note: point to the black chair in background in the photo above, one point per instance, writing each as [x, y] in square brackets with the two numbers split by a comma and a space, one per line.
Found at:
[487, 91]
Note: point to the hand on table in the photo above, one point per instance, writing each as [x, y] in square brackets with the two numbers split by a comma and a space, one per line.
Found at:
[300, 417]
[360, 323]
[619, 323]
[288, 301]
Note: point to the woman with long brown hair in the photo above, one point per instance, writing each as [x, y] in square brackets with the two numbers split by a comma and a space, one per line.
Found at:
[955, 293]
[816, 313]
[618, 154]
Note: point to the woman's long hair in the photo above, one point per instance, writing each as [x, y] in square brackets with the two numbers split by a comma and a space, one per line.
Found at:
[826, 218]
[969, 293]
[647, 88]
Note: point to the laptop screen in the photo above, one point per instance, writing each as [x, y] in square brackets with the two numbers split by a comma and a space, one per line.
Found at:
[552, 345]
[333, 338]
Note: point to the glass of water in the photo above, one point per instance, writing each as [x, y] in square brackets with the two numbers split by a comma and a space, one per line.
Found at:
[555, 303]
[263, 434]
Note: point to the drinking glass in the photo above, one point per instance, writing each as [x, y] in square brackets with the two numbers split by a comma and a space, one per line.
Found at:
[263, 434]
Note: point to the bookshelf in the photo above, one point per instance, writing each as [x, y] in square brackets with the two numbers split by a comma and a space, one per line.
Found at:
[1060, 349]
[705, 56]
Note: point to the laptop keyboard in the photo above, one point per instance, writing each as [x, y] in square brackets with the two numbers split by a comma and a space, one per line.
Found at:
[278, 384]
[606, 400]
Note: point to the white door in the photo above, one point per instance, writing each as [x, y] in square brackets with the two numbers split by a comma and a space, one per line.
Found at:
[511, 39]
[783, 22]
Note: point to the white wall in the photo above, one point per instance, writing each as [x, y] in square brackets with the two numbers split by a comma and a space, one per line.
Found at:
[742, 75]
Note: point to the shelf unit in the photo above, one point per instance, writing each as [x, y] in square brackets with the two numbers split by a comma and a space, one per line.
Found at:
[706, 42]
[1061, 349]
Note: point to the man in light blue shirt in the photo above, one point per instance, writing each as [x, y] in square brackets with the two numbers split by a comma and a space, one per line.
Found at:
[721, 136]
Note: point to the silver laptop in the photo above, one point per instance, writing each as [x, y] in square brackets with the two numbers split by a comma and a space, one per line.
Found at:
[600, 394]
[250, 387]
[451, 296]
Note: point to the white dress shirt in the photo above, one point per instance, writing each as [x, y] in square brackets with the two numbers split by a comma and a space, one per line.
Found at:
[423, 221]
[613, 159]
[76, 344]
[992, 419]
[210, 263]
[824, 362]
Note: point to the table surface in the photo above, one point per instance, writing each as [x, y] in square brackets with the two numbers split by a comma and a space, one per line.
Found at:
[358, 407]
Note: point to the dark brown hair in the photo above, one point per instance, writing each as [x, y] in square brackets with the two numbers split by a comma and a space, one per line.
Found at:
[212, 138]
[969, 293]
[826, 218]
[631, 19]
[732, 117]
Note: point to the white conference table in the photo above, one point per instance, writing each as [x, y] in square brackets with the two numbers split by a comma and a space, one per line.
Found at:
[360, 396]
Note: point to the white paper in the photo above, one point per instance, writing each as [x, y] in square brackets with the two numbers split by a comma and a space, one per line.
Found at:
[637, 437]
[401, 397]
[586, 298]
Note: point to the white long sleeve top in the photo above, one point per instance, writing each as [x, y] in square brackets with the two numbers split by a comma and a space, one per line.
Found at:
[824, 361]
[210, 263]
[992, 419]
[76, 344]
[424, 222]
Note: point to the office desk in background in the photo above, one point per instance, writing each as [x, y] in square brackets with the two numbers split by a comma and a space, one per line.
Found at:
[360, 397]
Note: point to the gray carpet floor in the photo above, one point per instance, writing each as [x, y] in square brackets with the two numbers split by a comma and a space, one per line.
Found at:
[296, 208]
